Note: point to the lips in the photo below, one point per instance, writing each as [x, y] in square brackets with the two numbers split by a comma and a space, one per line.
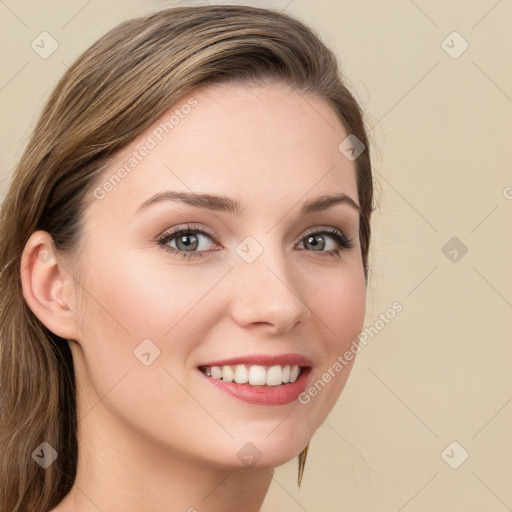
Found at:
[264, 360]
[260, 379]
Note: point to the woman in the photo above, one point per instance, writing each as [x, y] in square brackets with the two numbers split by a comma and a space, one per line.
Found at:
[184, 247]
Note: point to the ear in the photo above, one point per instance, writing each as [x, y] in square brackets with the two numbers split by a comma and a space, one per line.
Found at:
[47, 286]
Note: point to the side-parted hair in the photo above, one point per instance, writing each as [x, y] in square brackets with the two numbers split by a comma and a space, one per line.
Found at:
[111, 94]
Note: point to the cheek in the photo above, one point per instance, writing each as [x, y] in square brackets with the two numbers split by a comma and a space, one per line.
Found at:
[341, 310]
[129, 301]
[340, 306]
[345, 311]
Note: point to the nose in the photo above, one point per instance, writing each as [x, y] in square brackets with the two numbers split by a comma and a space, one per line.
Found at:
[267, 294]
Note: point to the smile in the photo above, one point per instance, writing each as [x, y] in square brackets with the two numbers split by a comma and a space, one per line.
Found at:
[264, 379]
[254, 375]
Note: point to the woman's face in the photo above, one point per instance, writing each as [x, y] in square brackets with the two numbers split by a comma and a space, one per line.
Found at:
[266, 286]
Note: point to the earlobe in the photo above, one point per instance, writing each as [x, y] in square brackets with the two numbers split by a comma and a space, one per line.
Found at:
[43, 281]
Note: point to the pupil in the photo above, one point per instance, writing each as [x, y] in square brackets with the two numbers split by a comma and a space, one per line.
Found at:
[314, 241]
[185, 239]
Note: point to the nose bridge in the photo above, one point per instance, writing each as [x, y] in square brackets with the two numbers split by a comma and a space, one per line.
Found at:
[265, 288]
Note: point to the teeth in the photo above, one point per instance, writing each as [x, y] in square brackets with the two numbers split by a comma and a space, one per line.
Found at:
[216, 372]
[274, 376]
[228, 373]
[241, 374]
[286, 374]
[255, 375]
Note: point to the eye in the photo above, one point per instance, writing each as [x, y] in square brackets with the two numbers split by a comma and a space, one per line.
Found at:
[189, 241]
[316, 240]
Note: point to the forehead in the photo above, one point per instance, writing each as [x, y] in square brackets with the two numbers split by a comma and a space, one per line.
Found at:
[262, 143]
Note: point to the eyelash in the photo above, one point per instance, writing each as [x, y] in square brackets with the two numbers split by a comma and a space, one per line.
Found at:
[341, 240]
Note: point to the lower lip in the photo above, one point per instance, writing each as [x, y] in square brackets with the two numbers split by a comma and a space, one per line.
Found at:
[264, 395]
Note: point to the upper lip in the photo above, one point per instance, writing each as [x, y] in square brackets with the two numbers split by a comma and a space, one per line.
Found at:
[263, 360]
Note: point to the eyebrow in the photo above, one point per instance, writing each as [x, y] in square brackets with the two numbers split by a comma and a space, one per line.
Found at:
[226, 204]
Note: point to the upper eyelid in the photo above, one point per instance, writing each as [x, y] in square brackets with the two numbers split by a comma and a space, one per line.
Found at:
[173, 232]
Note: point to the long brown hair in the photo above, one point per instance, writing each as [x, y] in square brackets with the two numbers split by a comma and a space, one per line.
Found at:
[112, 93]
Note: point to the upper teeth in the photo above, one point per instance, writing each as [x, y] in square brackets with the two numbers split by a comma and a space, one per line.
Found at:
[254, 375]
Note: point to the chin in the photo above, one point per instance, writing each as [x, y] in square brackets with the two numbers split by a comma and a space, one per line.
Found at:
[268, 450]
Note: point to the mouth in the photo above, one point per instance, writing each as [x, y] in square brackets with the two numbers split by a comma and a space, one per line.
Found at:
[254, 375]
[260, 380]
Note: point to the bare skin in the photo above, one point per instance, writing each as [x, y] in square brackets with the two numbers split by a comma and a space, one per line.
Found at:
[160, 437]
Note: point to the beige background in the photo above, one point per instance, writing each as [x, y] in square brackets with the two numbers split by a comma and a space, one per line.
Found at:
[441, 370]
